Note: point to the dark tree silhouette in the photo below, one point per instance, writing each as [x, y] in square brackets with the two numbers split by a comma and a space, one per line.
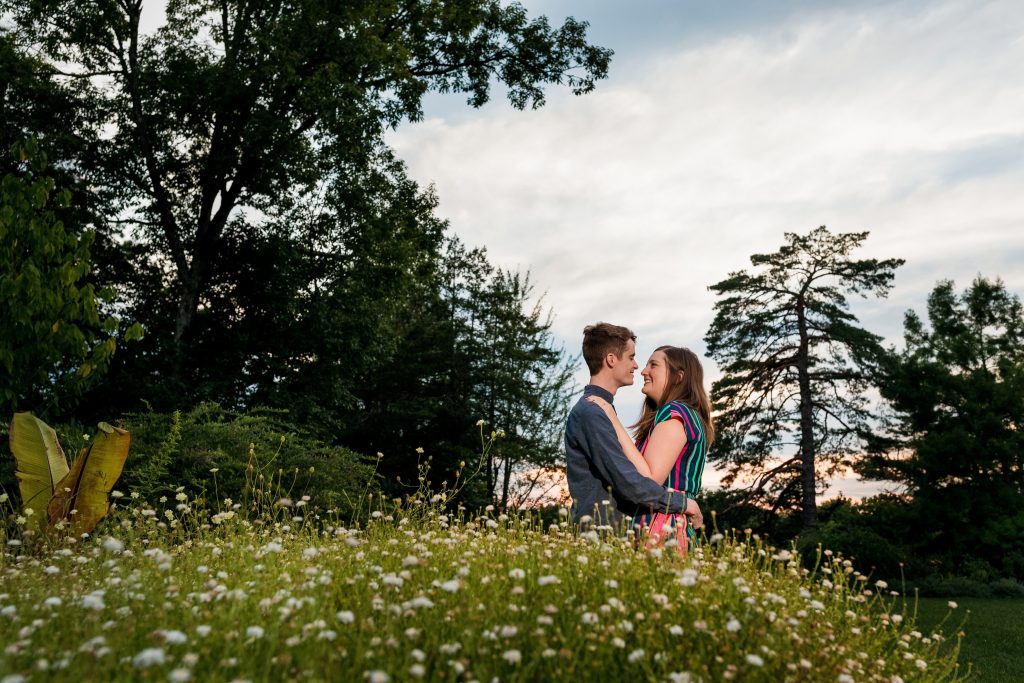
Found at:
[796, 365]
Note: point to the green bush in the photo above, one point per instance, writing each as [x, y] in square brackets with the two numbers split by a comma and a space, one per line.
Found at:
[211, 450]
[1007, 588]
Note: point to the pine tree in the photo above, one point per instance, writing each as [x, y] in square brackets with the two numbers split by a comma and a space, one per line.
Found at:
[796, 365]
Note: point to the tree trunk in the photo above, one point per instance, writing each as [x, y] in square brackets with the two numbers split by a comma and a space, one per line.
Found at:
[808, 480]
[505, 483]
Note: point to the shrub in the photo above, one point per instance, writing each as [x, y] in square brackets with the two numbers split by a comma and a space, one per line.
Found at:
[211, 449]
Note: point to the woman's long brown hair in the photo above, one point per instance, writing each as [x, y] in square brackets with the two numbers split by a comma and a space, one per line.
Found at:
[686, 385]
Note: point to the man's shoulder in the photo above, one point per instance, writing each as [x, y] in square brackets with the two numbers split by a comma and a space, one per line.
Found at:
[585, 409]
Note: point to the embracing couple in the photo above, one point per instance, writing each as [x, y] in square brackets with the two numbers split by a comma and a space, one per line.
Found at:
[647, 479]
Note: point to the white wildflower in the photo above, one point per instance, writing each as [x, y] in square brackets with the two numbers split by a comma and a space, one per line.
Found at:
[112, 545]
[151, 656]
[174, 637]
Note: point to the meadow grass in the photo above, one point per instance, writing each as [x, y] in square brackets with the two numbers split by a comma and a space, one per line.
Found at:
[172, 593]
[994, 641]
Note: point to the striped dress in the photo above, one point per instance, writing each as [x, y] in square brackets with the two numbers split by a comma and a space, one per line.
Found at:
[685, 475]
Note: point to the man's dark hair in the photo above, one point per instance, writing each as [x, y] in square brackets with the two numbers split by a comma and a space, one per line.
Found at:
[601, 339]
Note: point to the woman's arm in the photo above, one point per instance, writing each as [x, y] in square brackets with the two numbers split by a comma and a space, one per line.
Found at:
[625, 441]
[667, 440]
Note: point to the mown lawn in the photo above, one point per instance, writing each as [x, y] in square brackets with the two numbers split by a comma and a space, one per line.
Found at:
[994, 643]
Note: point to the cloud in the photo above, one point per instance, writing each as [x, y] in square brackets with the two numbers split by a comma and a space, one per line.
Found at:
[904, 119]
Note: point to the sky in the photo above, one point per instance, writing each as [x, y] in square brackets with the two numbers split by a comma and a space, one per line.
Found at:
[724, 125]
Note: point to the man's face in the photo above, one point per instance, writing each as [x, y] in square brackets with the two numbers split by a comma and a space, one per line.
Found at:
[623, 366]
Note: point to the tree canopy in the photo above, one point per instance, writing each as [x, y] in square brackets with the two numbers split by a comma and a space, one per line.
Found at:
[958, 448]
[245, 208]
[238, 106]
[53, 337]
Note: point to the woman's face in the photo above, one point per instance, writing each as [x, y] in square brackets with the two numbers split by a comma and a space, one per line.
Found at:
[655, 375]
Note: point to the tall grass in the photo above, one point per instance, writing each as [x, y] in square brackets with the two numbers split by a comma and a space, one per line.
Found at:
[439, 597]
[275, 588]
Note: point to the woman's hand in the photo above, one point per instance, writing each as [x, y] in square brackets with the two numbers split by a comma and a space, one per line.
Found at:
[625, 440]
[605, 406]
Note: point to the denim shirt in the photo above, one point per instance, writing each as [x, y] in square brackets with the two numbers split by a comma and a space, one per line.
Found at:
[603, 482]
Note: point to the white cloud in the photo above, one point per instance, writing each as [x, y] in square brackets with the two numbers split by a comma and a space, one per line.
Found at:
[625, 204]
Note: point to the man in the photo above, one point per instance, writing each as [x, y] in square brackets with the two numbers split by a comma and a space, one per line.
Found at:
[595, 463]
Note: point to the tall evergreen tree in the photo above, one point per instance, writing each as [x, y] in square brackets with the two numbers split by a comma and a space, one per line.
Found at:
[958, 392]
[477, 347]
[796, 365]
[524, 381]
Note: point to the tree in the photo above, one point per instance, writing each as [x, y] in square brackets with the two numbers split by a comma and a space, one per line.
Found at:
[525, 382]
[52, 339]
[795, 364]
[300, 312]
[477, 347]
[958, 448]
[235, 108]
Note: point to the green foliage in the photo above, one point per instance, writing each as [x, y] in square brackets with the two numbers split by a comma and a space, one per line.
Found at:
[277, 251]
[239, 108]
[796, 365]
[477, 347]
[53, 340]
[183, 450]
[860, 533]
[958, 394]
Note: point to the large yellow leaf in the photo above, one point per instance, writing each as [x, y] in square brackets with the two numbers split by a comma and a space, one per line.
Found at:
[86, 487]
[40, 460]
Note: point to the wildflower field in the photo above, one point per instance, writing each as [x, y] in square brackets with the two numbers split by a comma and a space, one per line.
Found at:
[173, 592]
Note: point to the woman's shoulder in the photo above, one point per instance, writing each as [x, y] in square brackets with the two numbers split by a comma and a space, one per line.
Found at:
[676, 409]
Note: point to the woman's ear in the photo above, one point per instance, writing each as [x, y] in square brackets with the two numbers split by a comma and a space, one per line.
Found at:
[681, 374]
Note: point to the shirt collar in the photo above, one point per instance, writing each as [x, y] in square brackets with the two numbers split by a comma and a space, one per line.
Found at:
[594, 390]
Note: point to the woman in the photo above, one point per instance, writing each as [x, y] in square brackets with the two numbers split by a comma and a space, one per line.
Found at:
[671, 437]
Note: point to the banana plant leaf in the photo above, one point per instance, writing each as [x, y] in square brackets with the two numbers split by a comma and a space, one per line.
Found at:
[40, 460]
[82, 497]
